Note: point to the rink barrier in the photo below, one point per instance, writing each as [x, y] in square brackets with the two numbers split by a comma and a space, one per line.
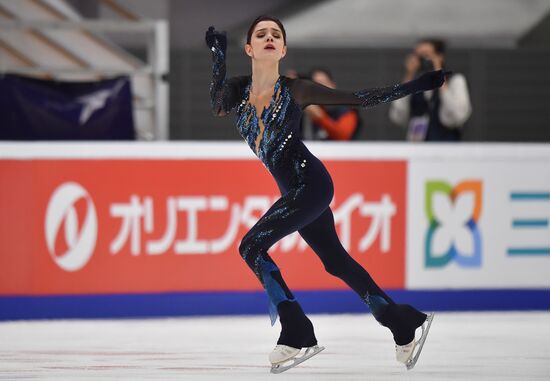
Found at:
[253, 303]
[507, 222]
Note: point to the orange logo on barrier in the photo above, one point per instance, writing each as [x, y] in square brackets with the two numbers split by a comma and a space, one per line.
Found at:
[118, 226]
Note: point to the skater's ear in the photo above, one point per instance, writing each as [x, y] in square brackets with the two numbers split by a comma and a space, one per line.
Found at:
[248, 50]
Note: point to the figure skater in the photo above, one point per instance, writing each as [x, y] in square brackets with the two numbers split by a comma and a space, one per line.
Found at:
[268, 111]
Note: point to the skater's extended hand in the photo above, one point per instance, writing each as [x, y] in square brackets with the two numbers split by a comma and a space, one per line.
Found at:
[216, 39]
[432, 79]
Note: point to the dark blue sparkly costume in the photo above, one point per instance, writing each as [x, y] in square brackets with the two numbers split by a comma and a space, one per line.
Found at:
[306, 191]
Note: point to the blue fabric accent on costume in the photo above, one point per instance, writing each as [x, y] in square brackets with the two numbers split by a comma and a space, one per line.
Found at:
[377, 305]
[274, 290]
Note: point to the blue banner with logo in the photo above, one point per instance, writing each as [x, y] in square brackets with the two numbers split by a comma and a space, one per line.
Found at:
[36, 109]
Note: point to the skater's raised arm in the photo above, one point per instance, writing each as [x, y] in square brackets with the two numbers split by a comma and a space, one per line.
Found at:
[224, 93]
[307, 92]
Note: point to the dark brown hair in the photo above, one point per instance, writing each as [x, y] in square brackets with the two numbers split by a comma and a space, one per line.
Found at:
[265, 18]
[439, 45]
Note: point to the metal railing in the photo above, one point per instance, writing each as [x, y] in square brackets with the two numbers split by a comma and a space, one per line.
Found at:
[156, 66]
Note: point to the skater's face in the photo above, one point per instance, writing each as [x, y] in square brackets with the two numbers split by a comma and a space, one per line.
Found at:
[266, 42]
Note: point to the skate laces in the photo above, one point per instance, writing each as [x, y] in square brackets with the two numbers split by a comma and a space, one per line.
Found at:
[285, 349]
[404, 348]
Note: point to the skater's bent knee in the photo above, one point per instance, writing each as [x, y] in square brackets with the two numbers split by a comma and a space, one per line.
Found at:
[244, 248]
[249, 248]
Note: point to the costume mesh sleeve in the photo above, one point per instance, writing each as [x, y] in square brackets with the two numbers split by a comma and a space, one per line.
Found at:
[223, 92]
[307, 92]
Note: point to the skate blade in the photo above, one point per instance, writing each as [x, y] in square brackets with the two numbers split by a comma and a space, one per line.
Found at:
[412, 361]
[309, 353]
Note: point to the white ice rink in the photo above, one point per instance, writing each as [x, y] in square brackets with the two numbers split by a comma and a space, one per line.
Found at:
[461, 346]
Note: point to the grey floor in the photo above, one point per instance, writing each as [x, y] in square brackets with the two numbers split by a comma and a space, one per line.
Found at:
[461, 346]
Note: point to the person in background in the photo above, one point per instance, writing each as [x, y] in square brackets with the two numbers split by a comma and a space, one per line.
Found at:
[292, 73]
[436, 115]
[330, 122]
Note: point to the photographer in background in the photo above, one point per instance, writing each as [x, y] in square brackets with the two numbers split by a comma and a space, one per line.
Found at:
[436, 115]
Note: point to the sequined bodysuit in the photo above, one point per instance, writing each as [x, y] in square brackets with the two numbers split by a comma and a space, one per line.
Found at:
[305, 185]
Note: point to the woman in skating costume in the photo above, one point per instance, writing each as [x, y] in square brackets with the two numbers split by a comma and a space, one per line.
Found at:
[268, 109]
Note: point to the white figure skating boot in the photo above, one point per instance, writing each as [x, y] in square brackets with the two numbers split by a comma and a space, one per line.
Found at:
[408, 354]
[283, 357]
[297, 342]
[403, 320]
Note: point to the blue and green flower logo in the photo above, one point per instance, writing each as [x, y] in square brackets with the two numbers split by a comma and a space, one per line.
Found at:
[453, 216]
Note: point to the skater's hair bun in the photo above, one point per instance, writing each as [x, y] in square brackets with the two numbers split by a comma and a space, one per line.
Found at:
[265, 18]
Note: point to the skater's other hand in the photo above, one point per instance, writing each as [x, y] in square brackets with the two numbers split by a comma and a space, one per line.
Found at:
[216, 39]
[432, 79]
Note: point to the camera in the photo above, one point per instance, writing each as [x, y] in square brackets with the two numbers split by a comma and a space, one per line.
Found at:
[425, 65]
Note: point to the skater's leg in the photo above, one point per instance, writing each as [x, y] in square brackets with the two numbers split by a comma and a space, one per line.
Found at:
[322, 238]
[291, 212]
[401, 319]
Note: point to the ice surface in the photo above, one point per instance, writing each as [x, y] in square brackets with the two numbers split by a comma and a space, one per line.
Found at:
[460, 346]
